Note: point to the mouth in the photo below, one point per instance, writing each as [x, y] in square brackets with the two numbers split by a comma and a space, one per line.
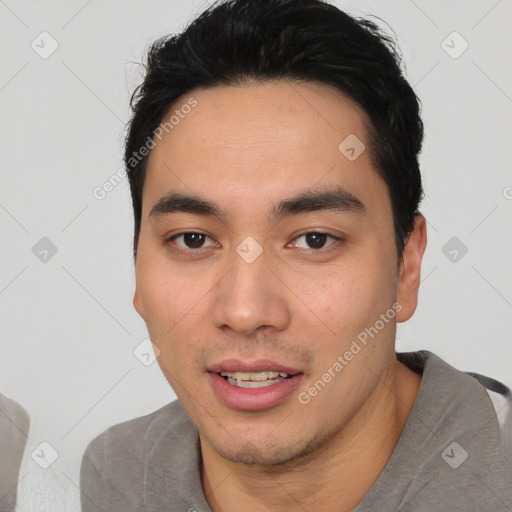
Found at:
[253, 385]
[255, 380]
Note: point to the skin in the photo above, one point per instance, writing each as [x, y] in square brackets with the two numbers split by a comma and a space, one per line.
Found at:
[246, 148]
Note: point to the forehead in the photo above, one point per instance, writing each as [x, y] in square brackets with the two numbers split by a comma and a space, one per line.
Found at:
[258, 142]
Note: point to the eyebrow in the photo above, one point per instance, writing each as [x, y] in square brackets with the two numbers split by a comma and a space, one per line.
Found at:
[333, 199]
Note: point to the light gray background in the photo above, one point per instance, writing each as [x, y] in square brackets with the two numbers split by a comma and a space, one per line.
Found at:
[68, 325]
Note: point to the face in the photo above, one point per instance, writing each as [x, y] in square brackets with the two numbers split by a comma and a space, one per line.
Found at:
[250, 279]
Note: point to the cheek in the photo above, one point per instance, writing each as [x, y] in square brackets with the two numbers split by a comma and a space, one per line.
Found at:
[166, 294]
[350, 303]
[173, 303]
[345, 303]
[345, 297]
[156, 294]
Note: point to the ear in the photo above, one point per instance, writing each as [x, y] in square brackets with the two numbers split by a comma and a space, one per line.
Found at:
[137, 304]
[410, 267]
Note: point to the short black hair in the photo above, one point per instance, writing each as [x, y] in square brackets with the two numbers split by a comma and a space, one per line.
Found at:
[234, 42]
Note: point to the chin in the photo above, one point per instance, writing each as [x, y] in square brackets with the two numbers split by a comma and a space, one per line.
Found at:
[282, 456]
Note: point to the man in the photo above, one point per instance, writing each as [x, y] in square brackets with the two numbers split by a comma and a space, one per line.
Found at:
[14, 427]
[272, 159]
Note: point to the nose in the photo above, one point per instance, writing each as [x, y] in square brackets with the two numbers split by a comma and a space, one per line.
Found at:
[251, 297]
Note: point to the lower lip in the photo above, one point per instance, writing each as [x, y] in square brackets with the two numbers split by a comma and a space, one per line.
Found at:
[253, 399]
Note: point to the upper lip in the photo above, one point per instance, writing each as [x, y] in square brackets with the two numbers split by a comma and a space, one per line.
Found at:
[258, 365]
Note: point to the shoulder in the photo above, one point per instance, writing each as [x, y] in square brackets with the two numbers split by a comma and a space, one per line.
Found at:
[464, 402]
[500, 397]
[113, 468]
[458, 440]
[130, 437]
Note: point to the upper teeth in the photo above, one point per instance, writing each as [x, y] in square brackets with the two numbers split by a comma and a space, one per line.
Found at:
[254, 376]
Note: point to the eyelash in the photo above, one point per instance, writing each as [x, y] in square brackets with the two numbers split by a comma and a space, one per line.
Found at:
[337, 241]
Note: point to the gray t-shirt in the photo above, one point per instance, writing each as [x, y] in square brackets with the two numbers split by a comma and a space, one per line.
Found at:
[454, 454]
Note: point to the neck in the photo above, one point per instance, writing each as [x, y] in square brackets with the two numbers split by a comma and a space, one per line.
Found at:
[336, 476]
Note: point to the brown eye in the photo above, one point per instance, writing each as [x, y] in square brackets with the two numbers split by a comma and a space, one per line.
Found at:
[316, 240]
[193, 240]
[190, 240]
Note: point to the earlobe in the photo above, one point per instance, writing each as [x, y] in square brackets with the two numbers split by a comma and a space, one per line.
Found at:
[410, 269]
